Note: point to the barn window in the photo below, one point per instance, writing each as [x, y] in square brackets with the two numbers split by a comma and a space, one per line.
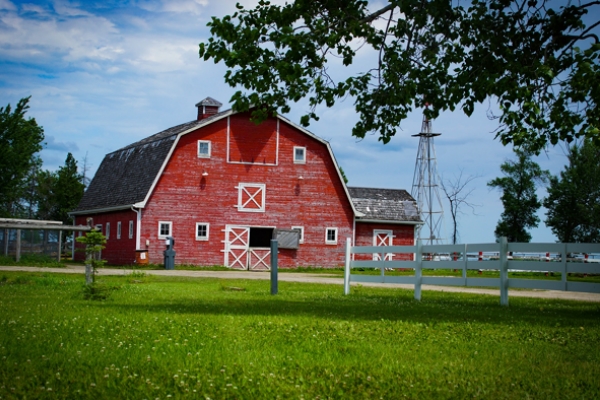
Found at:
[107, 230]
[299, 155]
[119, 230]
[301, 229]
[203, 148]
[164, 229]
[130, 229]
[202, 231]
[251, 197]
[261, 237]
[331, 236]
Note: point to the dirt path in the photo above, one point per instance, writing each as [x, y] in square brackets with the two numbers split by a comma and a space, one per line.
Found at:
[317, 278]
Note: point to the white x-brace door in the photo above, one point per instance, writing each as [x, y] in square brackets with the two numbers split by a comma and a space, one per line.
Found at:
[237, 243]
[383, 238]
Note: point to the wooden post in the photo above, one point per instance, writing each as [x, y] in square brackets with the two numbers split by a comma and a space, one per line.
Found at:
[59, 244]
[6, 241]
[18, 246]
[274, 266]
[418, 271]
[503, 271]
[347, 267]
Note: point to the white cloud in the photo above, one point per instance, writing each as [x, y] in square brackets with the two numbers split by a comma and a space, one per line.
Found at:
[7, 5]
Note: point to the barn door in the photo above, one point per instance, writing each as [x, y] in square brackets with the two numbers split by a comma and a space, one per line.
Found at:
[237, 244]
[382, 238]
[259, 259]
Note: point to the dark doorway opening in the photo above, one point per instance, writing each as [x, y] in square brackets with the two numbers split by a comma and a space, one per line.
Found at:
[261, 237]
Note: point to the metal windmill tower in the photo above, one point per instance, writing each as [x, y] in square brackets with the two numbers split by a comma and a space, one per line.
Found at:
[425, 188]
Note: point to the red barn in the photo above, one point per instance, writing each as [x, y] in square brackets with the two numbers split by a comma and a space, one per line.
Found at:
[220, 185]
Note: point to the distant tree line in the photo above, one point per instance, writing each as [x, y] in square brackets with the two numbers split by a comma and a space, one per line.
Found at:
[27, 190]
[573, 202]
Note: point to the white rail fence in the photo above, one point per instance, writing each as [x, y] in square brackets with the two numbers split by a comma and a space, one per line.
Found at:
[500, 260]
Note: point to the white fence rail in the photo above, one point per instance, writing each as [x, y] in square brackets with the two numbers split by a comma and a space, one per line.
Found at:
[497, 259]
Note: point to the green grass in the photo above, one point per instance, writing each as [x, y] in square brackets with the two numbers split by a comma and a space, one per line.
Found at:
[156, 337]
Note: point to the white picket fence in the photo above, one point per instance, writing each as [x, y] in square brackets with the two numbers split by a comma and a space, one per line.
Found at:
[502, 263]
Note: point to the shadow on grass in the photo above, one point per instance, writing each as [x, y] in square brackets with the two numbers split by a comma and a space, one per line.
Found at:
[434, 308]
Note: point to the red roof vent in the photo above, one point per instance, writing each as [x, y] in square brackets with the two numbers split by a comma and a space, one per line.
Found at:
[207, 107]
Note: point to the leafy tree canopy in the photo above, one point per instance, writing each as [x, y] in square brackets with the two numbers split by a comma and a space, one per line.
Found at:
[519, 199]
[538, 62]
[20, 139]
[573, 200]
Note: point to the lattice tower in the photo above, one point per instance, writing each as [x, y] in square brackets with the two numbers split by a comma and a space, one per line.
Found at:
[425, 188]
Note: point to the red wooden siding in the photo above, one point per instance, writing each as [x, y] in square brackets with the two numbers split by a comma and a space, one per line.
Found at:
[185, 197]
[251, 143]
[118, 251]
[403, 236]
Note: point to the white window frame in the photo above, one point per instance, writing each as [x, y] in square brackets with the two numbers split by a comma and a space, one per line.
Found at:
[119, 230]
[301, 229]
[170, 224]
[241, 188]
[130, 229]
[107, 234]
[303, 160]
[203, 238]
[202, 155]
[331, 229]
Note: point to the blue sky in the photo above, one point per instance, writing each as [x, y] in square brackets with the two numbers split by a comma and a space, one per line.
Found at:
[103, 74]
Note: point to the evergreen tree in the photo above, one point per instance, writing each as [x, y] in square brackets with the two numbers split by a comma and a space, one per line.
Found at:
[518, 186]
[573, 200]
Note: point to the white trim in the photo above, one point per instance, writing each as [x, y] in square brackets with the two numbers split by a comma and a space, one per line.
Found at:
[209, 149]
[301, 229]
[382, 221]
[170, 223]
[327, 241]
[119, 230]
[203, 238]
[262, 188]
[303, 160]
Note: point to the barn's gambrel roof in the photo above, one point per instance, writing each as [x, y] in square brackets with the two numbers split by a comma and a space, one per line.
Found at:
[384, 204]
[126, 176]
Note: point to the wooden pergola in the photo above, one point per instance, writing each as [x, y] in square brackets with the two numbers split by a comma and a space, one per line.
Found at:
[18, 225]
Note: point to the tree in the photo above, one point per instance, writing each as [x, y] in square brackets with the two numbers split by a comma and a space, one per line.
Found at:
[538, 63]
[20, 140]
[573, 200]
[518, 197]
[457, 193]
[59, 192]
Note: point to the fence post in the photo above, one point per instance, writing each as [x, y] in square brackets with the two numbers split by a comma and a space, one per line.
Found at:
[347, 268]
[419, 260]
[503, 271]
[464, 269]
[563, 261]
[274, 249]
[18, 246]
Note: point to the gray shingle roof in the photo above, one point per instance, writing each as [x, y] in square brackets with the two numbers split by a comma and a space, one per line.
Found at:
[210, 102]
[384, 204]
[126, 175]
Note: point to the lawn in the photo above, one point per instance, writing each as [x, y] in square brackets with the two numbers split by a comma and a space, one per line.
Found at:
[159, 337]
